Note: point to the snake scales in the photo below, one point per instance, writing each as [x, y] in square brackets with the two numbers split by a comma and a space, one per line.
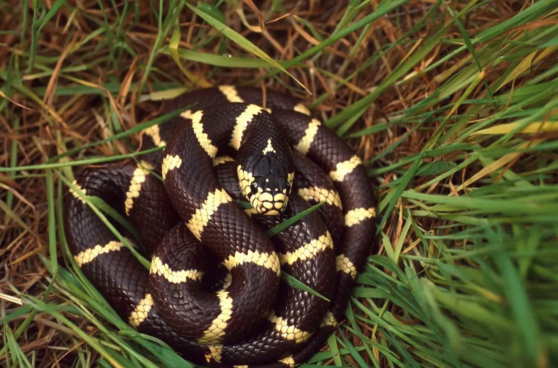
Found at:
[214, 291]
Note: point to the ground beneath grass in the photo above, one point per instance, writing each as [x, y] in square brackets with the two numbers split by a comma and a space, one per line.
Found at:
[452, 105]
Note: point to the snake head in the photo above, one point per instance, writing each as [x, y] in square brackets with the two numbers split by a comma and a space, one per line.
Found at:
[266, 180]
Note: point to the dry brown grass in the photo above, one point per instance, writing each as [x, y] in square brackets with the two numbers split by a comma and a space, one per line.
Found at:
[51, 120]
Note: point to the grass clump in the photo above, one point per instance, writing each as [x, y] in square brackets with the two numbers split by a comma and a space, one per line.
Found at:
[452, 105]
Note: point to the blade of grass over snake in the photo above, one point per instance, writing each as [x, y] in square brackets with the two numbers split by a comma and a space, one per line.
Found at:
[111, 212]
[107, 223]
[165, 355]
[297, 284]
[285, 224]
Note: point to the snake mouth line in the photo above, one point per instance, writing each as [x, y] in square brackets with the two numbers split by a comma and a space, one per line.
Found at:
[269, 205]
[266, 203]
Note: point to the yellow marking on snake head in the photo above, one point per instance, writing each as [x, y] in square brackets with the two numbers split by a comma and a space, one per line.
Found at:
[263, 202]
[279, 201]
[266, 197]
[266, 203]
[245, 181]
[269, 148]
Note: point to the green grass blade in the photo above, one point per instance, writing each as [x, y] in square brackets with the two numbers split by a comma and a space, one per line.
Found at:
[285, 224]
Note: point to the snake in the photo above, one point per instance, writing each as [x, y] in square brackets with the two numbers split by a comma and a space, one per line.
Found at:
[206, 199]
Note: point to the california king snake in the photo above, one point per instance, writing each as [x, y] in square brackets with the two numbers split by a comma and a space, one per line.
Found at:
[214, 291]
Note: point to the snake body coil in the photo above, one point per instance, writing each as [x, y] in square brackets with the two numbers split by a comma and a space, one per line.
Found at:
[214, 291]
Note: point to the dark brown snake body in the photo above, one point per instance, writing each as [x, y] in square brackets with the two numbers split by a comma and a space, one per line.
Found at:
[214, 292]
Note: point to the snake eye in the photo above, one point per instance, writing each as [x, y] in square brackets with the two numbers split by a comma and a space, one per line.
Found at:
[254, 187]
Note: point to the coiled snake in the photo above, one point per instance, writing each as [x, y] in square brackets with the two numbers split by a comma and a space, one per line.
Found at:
[214, 291]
